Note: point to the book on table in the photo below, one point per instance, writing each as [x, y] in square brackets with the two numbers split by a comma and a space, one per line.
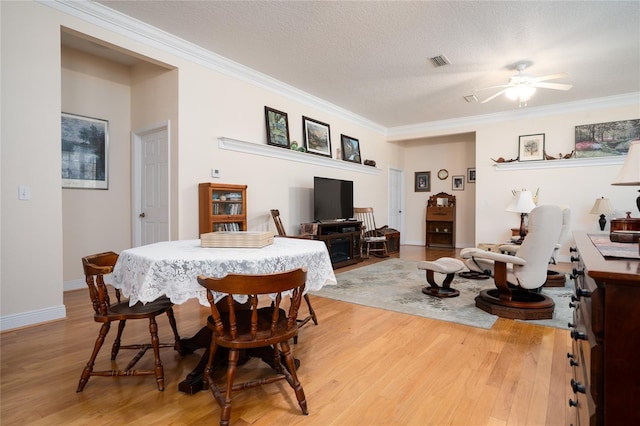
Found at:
[248, 239]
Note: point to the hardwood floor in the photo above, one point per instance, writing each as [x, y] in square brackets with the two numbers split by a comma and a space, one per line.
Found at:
[359, 366]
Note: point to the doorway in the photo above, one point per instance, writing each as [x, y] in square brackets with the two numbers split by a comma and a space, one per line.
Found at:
[150, 185]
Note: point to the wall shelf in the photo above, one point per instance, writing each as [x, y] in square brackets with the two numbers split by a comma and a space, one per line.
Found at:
[554, 164]
[291, 155]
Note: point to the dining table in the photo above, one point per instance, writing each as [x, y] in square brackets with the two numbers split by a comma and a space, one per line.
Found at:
[171, 268]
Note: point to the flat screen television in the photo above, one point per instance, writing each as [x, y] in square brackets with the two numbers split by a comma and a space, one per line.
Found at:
[332, 199]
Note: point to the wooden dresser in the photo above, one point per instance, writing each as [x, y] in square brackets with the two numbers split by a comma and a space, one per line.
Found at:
[605, 337]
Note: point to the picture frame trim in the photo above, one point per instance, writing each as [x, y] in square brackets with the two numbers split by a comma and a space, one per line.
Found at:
[457, 183]
[422, 181]
[344, 140]
[531, 147]
[84, 152]
[316, 139]
[271, 136]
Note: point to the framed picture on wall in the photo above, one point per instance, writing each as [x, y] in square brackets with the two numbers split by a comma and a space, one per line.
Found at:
[317, 136]
[85, 152]
[422, 182]
[471, 175]
[531, 147]
[277, 127]
[457, 183]
[350, 149]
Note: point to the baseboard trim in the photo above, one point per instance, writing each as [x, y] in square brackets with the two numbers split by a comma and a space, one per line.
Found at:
[74, 285]
[25, 319]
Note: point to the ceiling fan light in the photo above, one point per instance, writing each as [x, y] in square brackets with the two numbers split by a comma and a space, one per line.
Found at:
[520, 92]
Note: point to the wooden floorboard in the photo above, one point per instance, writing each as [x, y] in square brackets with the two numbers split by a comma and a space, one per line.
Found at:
[359, 366]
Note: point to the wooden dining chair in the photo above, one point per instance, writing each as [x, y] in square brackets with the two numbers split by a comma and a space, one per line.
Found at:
[275, 214]
[248, 326]
[106, 312]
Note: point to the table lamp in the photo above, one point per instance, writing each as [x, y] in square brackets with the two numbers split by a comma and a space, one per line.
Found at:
[523, 204]
[602, 206]
[628, 229]
[630, 173]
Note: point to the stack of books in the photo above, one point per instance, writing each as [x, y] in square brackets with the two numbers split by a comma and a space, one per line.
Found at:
[246, 239]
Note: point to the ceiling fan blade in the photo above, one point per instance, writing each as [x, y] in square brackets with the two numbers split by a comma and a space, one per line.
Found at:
[494, 96]
[554, 86]
[494, 87]
[549, 77]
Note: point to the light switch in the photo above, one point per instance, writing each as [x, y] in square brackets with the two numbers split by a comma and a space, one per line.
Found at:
[215, 173]
[24, 192]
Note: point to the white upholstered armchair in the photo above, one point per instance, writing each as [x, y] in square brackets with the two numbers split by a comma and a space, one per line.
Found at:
[519, 276]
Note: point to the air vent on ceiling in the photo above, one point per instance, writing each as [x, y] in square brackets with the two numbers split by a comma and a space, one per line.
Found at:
[439, 61]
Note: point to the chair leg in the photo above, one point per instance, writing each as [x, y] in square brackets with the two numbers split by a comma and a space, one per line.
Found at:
[116, 343]
[225, 410]
[292, 377]
[174, 327]
[155, 342]
[86, 372]
[312, 316]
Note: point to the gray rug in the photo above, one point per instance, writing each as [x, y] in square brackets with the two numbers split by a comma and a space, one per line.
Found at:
[396, 285]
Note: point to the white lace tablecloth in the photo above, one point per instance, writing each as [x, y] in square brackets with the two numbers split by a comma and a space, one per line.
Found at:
[171, 268]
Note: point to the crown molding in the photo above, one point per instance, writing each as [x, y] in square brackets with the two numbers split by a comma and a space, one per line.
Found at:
[104, 17]
[471, 123]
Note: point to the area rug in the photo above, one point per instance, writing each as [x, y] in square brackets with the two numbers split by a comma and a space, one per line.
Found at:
[396, 285]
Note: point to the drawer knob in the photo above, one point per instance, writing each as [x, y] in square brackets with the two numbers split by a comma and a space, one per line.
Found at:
[572, 305]
[577, 386]
[573, 403]
[574, 258]
[571, 325]
[576, 335]
[582, 293]
[573, 363]
[577, 272]
[573, 249]
[570, 355]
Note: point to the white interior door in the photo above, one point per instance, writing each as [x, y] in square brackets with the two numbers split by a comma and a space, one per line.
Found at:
[396, 200]
[151, 186]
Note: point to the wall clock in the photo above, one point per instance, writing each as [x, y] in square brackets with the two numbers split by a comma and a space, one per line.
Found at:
[443, 174]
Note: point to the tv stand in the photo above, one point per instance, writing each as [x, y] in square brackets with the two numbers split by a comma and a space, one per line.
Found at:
[342, 239]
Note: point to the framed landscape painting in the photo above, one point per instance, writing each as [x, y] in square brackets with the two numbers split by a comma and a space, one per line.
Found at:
[85, 152]
[277, 127]
[350, 149]
[606, 139]
[317, 136]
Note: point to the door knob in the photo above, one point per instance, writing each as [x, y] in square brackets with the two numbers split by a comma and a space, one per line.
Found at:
[142, 214]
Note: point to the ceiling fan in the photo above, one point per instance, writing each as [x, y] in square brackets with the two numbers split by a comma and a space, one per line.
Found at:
[521, 87]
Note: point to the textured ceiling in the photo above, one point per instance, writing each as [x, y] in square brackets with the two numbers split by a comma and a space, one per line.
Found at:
[372, 58]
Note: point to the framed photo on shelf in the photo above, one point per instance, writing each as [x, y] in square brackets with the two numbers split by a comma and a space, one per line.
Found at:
[422, 182]
[457, 183]
[531, 147]
[471, 175]
[350, 149]
[85, 152]
[277, 127]
[317, 136]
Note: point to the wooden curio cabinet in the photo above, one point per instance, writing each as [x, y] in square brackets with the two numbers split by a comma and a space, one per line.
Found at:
[222, 207]
[441, 221]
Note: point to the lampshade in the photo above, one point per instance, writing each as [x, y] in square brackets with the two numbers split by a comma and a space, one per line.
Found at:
[602, 206]
[523, 202]
[630, 173]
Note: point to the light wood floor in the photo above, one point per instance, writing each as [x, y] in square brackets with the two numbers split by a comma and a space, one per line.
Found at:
[359, 366]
